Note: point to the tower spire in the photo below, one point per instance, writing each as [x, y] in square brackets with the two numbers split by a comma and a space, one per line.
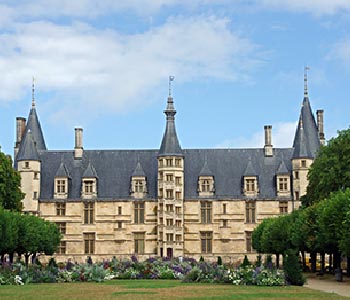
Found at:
[33, 98]
[170, 144]
[171, 78]
[306, 93]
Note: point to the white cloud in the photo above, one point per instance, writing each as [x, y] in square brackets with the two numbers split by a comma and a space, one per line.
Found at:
[315, 7]
[282, 137]
[340, 51]
[82, 64]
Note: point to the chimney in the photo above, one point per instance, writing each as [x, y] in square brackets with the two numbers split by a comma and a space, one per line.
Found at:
[320, 126]
[20, 130]
[268, 141]
[78, 149]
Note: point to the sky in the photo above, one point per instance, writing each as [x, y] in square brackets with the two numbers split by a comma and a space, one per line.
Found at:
[104, 65]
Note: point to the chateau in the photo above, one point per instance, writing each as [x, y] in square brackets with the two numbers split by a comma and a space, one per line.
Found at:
[168, 201]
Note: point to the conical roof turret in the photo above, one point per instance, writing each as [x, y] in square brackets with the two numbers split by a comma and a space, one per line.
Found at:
[306, 141]
[28, 150]
[170, 144]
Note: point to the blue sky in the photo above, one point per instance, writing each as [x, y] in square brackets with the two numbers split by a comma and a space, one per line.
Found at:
[238, 66]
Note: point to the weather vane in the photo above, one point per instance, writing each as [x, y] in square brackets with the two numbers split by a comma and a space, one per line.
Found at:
[171, 78]
[306, 68]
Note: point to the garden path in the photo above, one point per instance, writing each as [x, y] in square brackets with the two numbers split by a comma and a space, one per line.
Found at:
[330, 285]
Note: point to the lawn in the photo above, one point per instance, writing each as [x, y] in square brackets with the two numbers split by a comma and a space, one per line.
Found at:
[156, 289]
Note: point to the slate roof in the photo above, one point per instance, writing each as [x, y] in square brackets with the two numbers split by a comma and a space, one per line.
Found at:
[205, 170]
[306, 142]
[90, 171]
[138, 172]
[27, 150]
[62, 171]
[115, 167]
[34, 126]
[282, 169]
[170, 144]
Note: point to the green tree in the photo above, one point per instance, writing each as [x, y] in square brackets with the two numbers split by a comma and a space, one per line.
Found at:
[10, 181]
[8, 233]
[331, 215]
[330, 171]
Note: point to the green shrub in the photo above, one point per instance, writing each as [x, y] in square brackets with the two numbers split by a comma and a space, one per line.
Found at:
[292, 268]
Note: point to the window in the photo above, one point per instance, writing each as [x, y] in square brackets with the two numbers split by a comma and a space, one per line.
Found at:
[206, 212]
[139, 212]
[225, 223]
[206, 242]
[36, 175]
[35, 195]
[61, 248]
[250, 212]
[170, 237]
[169, 208]
[26, 164]
[61, 209]
[283, 207]
[89, 243]
[178, 223]
[205, 185]
[120, 225]
[169, 222]
[283, 184]
[61, 227]
[169, 178]
[250, 185]
[178, 210]
[170, 194]
[178, 195]
[61, 186]
[178, 238]
[169, 162]
[88, 213]
[248, 239]
[178, 180]
[88, 187]
[224, 208]
[297, 196]
[139, 242]
[139, 186]
[160, 163]
[303, 163]
[119, 210]
[178, 162]
[296, 175]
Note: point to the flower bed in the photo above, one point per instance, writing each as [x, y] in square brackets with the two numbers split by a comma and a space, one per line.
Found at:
[186, 269]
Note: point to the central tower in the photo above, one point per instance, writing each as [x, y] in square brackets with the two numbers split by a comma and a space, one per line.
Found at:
[170, 187]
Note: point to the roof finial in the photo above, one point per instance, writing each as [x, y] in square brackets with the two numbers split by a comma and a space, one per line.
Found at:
[305, 81]
[33, 99]
[171, 78]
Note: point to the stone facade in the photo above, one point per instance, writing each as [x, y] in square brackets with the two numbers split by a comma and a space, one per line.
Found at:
[165, 202]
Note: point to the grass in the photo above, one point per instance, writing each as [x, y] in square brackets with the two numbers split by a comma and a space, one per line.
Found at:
[160, 289]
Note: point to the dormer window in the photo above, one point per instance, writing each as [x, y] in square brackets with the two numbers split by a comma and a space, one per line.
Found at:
[61, 188]
[138, 187]
[250, 185]
[89, 189]
[89, 183]
[283, 185]
[206, 186]
[61, 182]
